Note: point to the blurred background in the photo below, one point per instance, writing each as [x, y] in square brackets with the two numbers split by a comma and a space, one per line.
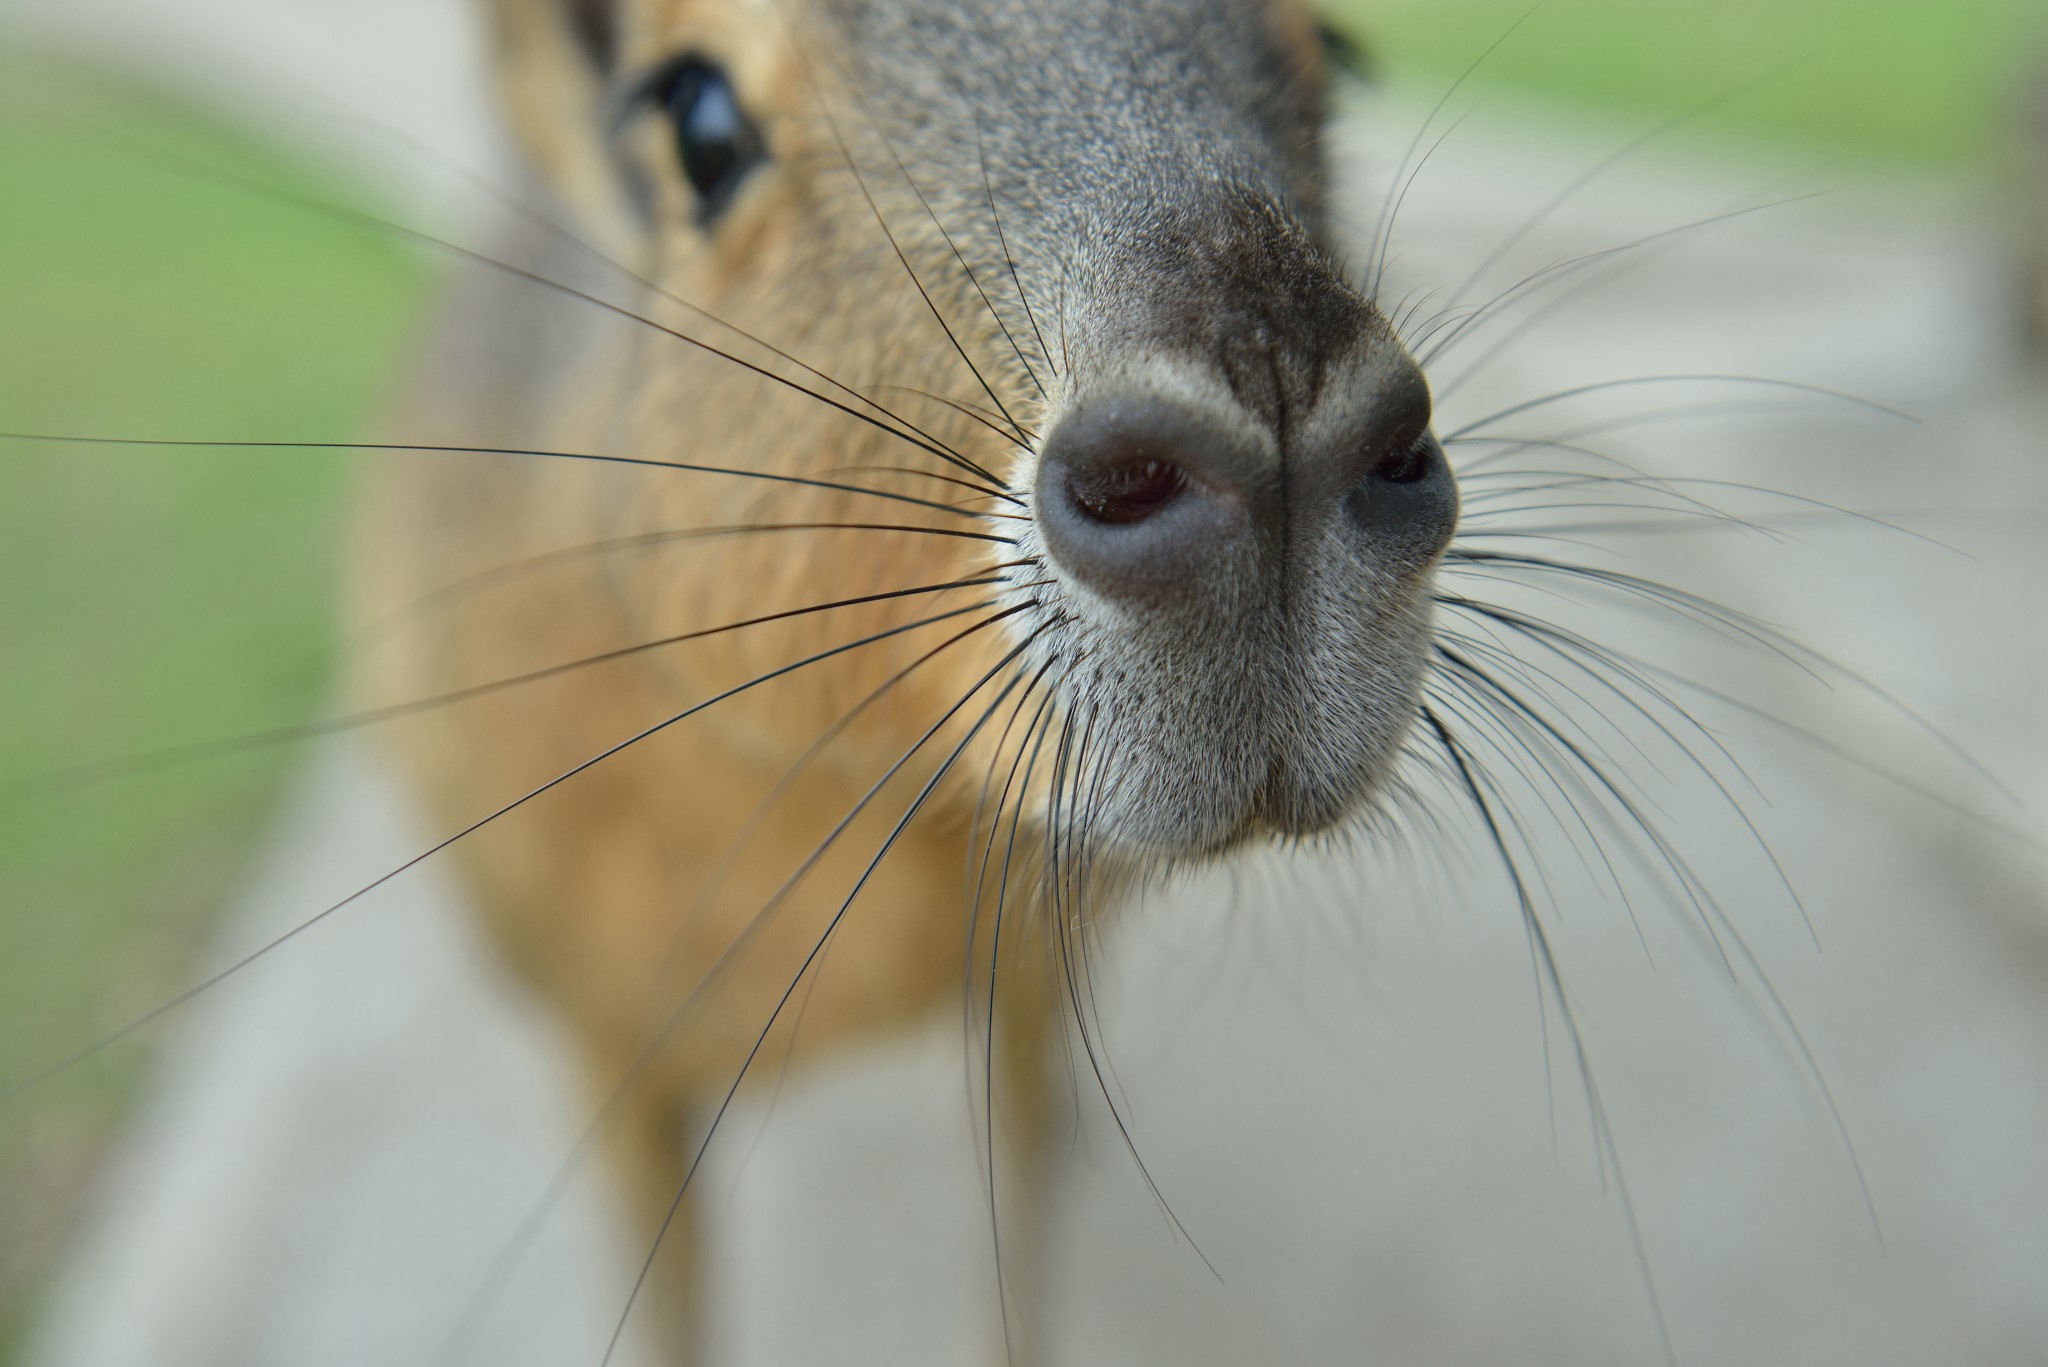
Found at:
[150, 597]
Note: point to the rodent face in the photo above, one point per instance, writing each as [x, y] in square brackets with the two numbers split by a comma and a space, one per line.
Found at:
[1225, 501]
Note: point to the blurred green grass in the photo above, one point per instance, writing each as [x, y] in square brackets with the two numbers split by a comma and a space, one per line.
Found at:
[149, 595]
[1918, 81]
[153, 596]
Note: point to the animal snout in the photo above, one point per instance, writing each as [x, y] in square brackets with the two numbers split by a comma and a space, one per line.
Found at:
[1155, 503]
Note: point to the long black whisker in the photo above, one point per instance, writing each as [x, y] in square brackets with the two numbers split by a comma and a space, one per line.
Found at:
[1539, 937]
[1723, 621]
[515, 1248]
[964, 409]
[375, 223]
[1720, 928]
[1850, 757]
[1489, 726]
[1635, 260]
[1673, 484]
[1601, 167]
[1380, 233]
[882, 221]
[442, 598]
[1809, 661]
[715, 879]
[1081, 992]
[958, 256]
[436, 448]
[1058, 823]
[1003, 240]
[327, 726]
[803, 969]
[975, 873]
[1542, 481]
[1576, 650]
[1508, 740]
[1581, 390]
[1560, 271]
[13, 1090]
[547, 224]
[1402, 198]
[979, 492]
[1623, 422]
[1527, 729]
[1042, 724]
[1637, 671]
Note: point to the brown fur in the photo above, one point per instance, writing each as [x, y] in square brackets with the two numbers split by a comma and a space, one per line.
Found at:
[598, 893]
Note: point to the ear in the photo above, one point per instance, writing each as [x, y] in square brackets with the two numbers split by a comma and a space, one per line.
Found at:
[551, 63]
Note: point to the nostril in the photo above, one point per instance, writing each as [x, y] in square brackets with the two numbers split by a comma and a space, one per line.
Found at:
[1151, 502]
[1409, 464]
[1126, 491]
[1407, 503]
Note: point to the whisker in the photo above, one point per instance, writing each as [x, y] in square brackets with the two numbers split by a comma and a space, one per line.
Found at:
[515, 1248]
[1059, 802]
[12, 1090]
[965, 409]
[1577, 650]
[1560, 271]
[1402, 198]
[1003, 240]
[1671, 484]
[988, 1130]
[1720, 928]
[979, 492]
[447, 595]
[1504, 734]
[714, 881]
[1071, 932]
[373, 222]
[1722, 620]
[1634, 260]
[1762, 381]
[327, 726]
[427, 448]
[972, 278]
[1850, 757]
[534, 217]
[975, 873]
[1382, 234]
[1522, 510]
[803, 969]
[1525, 731]
[1529, 481]
[1411, 304]
[1569, 438]
[882, 221]
[1541, 949]
[1606, 164]
[1815, 664]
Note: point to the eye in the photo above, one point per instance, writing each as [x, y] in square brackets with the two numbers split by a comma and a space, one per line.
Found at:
[715, 140]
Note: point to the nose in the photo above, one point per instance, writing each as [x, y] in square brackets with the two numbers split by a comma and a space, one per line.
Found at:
[1154, 504]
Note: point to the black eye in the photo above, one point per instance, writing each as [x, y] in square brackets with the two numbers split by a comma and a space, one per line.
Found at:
[715, 140]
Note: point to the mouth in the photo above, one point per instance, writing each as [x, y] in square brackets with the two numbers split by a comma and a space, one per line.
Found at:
[1284, 729]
